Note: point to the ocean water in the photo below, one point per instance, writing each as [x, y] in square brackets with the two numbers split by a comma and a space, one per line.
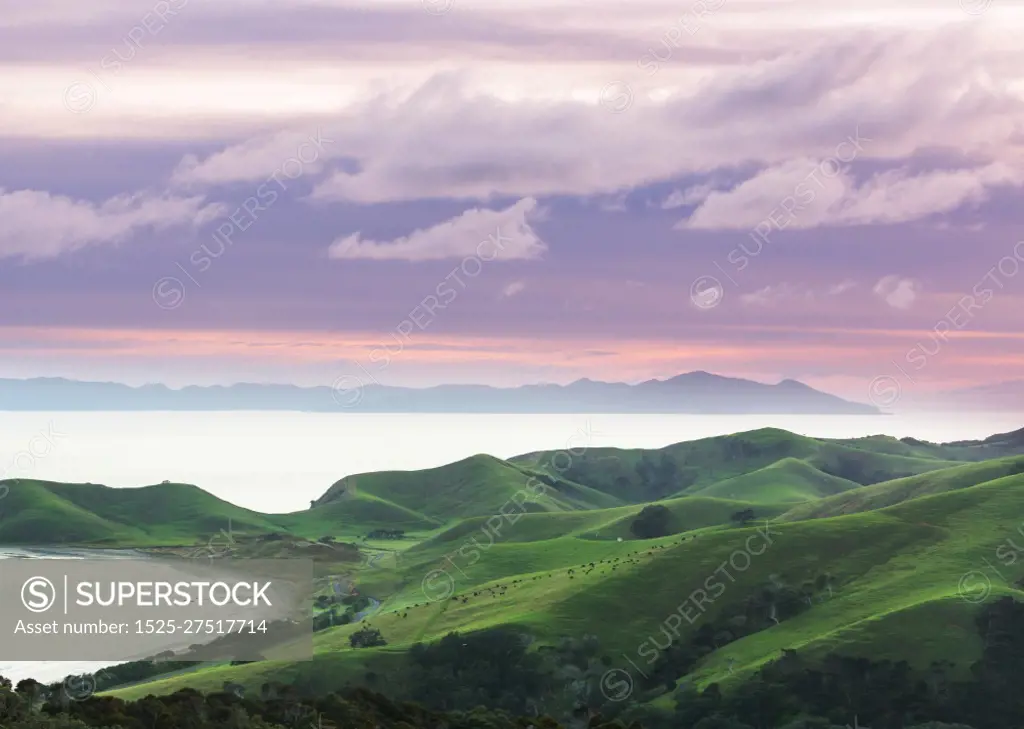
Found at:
[278, 461]
[50, 671]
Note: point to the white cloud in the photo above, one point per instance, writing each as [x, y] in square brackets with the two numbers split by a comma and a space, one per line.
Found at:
[784, 292]
[771, 295]
[841, 288]
[898, 292]
[37, 225]
[286, 155]
[906, 91]
[898, 196]
[516, 287]
[808, 193]
[486, 234]
[615, 204]
[692, 196]
[752, 201]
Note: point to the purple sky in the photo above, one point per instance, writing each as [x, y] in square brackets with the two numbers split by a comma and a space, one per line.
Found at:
[508, 192]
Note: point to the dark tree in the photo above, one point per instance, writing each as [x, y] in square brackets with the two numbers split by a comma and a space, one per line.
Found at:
[742, 517]
[652, 521]
[366, 638]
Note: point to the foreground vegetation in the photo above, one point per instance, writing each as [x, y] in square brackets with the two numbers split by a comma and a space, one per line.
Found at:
[448, 683]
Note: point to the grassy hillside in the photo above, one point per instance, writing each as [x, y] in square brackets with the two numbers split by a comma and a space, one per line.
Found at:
[766, 467]
[786, 480]
[644, 475]
[871, 547]
[688, 513]
[952, 557]
[996, 446]
[900, 490]
[362, 513]
[896, 588]
[477, 486]
[43, 512]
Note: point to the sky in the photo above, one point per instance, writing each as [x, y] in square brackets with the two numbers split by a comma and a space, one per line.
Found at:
[419, 192]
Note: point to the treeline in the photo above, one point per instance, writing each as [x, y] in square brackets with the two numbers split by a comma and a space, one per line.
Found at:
[135, 671]
[769, 605]
[338, 610]
[386, 534]
[276, 708]
[841, 691]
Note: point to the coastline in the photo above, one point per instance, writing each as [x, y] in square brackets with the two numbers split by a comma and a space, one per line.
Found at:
[50, 671]
[47, 551]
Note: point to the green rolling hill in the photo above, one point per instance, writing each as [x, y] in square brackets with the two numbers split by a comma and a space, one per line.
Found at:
[893, 573]
[686, 514]
[872, 548]
[767, 467]
[996, 446]
[39, 512]
[788, 479]
[477, 486]
[42, 512]
[889, 493]
[644, 475]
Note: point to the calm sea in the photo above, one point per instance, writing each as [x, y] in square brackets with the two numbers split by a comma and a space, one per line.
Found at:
[50, 671]
[278, 462]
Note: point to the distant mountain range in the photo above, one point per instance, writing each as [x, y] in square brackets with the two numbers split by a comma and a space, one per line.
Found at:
[995, 397]
[998, 396]
[694, 392]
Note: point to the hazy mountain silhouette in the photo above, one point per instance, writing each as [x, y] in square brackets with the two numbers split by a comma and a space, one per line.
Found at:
[997, 396]
[695, 392]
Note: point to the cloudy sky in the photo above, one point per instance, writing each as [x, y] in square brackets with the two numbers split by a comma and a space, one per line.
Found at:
[507, 192]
